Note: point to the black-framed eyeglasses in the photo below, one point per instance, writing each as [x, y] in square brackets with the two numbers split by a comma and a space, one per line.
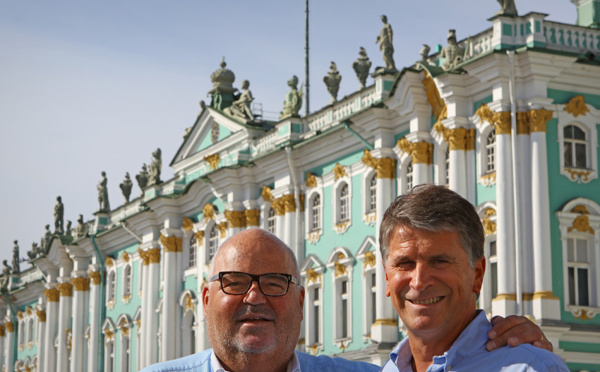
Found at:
[239, 283]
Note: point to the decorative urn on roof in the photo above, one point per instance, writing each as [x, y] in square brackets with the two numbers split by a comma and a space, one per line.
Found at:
[222, 91]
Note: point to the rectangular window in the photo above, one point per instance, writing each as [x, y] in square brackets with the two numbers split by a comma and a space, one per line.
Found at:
[578, 271]
[344, 295]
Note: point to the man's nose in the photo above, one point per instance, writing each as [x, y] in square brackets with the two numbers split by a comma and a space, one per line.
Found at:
[255, 295]
[421, 277]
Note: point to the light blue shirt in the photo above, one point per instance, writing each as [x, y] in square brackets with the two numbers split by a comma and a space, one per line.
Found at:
[468, 353]
[201, 362]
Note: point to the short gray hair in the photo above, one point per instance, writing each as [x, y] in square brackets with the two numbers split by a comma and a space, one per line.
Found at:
[435, 209]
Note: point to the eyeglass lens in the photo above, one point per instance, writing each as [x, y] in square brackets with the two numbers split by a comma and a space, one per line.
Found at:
[240, 283]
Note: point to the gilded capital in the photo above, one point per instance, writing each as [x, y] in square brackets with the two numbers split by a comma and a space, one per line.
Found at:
[10, 326]
[81, 284]
[51, 294]
[289, 202]
[95, 276]
[2, 331]
[252, 217]
[386, 168]
[485, 113]
[222, 229]
[279, 206]
[41, 314]
[65, 289]
[470, 139]
[213, 161]
[421, 152]
[338, 172]
[171, 243]
[209, 211]
[236, 219]
[153, 255]
[368, 159]
[310, 181]
[266, 194]
[577, 106]
[539, 119]
[187, 224]
[502, 122]
[457, 139]
[144, 256]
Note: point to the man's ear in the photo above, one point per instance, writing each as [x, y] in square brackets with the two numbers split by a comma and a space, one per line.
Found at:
[205, 297]
[302, 293]
[478, 271]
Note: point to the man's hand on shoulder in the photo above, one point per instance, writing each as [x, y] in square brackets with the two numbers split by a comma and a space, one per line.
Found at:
[515, 330]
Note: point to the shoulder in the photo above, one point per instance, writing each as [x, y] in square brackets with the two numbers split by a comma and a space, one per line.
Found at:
[324, 363]
[524, 357]
[193, 362]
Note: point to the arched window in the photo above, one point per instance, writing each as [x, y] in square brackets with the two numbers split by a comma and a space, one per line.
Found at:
[409, 176]
[111, 288]
[127, 281]
[271, 220]
[575, 147]
[193, 251]
[490, 150]
[30, 332]
[344, 203]
[316, 213]
[213, 242]
[373, 193]
[188, 333]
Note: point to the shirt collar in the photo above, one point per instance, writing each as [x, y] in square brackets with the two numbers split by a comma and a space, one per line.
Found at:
[473, 337]
[293, 365]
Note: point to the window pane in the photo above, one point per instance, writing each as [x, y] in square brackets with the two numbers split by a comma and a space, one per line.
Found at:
[568, 132]
[582, 251]
[578, 133]
[344, 318]
[571, 274]
[493, 249]
[580, 156]
[570, 250]
[568, 154]
[582, 287]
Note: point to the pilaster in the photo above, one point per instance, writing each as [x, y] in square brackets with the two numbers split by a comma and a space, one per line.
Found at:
[65, 290]
[81, 292]
[172, 283]
[52, 298]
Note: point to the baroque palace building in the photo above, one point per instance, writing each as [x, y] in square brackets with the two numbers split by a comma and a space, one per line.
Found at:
[508, 118]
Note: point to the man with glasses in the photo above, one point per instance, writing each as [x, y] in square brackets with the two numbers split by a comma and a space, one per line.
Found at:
[253, 307]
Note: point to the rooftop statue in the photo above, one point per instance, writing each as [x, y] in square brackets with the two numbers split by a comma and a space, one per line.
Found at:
[80, 230]
[508, 8]
[385, 41]
[32, 254]
[45, 240]
[453, 54]
[222, 91]
[332, 80]
[126, 186]
[16, 259]
[5, 278]
[68, 230]
[241, 106]
[59, 210]
[103, 194]
[155, 168]
[424, 53]
[142, 177]
[361, 66]
[293, 100]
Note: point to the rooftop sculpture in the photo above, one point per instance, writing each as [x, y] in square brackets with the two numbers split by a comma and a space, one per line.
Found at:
[103, 194]
[453, 54]
[332, 81]
[126, 186]
[142, 177]
[293, 100]
[508, 8]
[385, 41]
[80, 230]
[241, 106]
[155, 168]
[222, 91]
[362, 66]
[59, 210]
[16, 260]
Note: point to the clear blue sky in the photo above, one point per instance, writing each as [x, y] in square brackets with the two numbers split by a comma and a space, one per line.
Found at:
[97, 86]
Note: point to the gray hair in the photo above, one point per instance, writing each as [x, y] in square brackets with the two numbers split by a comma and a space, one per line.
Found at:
[435, 209]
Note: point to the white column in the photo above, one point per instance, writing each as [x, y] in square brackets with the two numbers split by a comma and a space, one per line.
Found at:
[41, 334]
[545, 304]
[151, 297]
[9, 350]
[144, 313]
[504, 303]
[81, 287]
[385, 328]
[52, 296]
[289, 236]
[171, 289]
[96, 302]
[458, 160]
[64, 322]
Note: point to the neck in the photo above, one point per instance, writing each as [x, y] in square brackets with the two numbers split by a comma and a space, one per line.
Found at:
[243, 362]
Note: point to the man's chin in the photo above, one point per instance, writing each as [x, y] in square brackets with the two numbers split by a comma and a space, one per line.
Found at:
[251, 345]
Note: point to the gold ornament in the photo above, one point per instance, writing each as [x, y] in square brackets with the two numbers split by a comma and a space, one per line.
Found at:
[41, 314]
[339, 172]
[213, 161]
[187, 224]
[438, 106]
[310, 181]
[538, 119]
[279, 206]
[222, 229]
[65, 289]
[153, 255]
[81, 284]
[266, 194]
[502, 122]
[95, 275]
[369, 259]
[125, 256]
[109, 261]
[236, 219]
[171, 243]
[485, 113]
[523, 122]
[51, 294]
[252, 217]
[209, 211]
[577, 106]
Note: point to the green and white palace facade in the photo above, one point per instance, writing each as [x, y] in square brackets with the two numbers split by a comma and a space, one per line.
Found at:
[512, 126]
